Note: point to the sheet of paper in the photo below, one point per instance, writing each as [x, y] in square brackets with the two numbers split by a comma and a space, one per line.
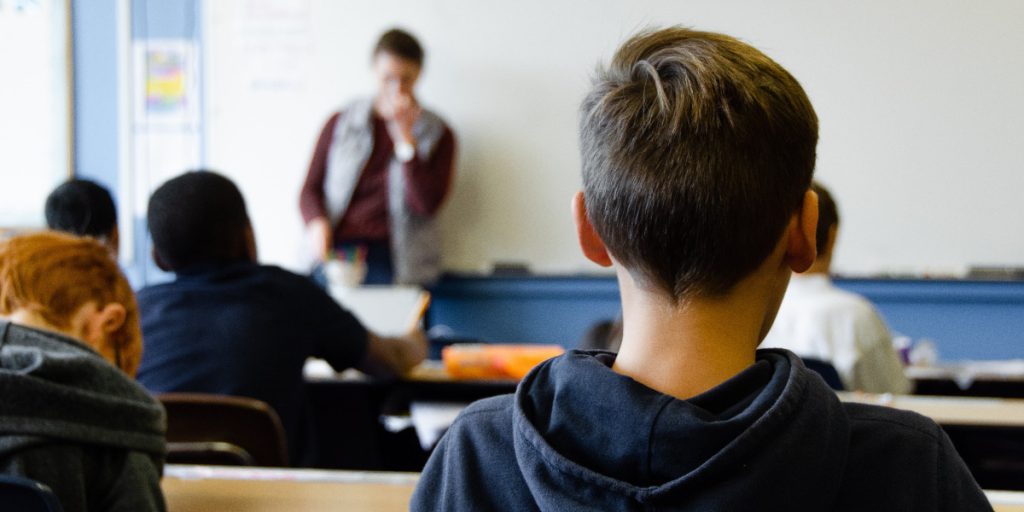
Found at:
[432, 419]
[385, 310]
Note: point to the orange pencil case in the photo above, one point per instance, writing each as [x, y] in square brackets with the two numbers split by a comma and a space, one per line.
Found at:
[487, 361]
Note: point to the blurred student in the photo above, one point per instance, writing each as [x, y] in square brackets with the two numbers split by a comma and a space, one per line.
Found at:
[380, 172]
[84, 208]
[71, 417]
[820, 321]
[697, 155]
[603, 335]
[231, 326]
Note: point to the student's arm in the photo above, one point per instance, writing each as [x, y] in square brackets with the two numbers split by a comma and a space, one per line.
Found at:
[428, 177]
[878, 368]
[389, 356]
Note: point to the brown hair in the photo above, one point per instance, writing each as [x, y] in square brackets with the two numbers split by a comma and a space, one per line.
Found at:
[55, 274]
[696, 149]
[400, 43]
[828, 216]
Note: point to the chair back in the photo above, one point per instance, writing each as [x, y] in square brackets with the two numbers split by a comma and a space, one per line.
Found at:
[223, 430]
[26, 495]
[826, 370]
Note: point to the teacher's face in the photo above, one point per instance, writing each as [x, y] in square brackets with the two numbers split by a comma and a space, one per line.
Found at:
[395, 76]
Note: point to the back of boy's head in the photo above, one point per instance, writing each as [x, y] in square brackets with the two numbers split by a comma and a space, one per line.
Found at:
[55, 274]
[81, 207]
[198, 218]
[828, 216]
[697, 149]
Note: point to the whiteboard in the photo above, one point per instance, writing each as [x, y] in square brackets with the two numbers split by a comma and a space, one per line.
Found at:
[34, 106]
[921, 105]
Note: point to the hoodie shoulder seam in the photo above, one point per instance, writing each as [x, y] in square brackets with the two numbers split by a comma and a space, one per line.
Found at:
[475, 409]
[928, 432]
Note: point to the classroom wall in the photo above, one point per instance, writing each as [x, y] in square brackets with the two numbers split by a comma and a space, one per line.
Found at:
[504, 153]
[35, 144]
[919, 102]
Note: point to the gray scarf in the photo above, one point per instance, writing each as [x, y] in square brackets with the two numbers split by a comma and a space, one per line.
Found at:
[415, 240]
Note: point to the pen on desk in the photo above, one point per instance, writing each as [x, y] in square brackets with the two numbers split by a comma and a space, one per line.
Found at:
[360, 255]
[421, 309]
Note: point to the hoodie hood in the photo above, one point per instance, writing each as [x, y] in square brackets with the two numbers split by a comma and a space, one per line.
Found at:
[56, 388]
[765, 436]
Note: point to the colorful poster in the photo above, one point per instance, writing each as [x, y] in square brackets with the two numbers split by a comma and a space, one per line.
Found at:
[165, 83]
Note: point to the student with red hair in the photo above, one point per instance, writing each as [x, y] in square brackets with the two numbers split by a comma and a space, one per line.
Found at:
[71, 416]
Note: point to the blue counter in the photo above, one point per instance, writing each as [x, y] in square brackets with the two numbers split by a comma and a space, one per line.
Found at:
[965, 319]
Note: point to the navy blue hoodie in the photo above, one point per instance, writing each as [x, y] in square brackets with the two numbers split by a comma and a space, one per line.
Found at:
[578, 436]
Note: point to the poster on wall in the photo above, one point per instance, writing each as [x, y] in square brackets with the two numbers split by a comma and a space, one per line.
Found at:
[166, 89]
[165, 138]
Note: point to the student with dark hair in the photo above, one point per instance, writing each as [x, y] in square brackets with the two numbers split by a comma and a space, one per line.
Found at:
[697, 154]
[820, 321]
[71, 417]
[84, 208]
[230, 326]
[380, 172]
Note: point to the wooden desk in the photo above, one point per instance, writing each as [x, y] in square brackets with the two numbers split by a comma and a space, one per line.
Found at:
[987, 432]
[223, 489]
[991, 412]
[1002, 379]
[347, 415]
[1006, 501]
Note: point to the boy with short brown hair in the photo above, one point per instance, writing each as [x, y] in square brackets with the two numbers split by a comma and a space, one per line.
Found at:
[698, 152]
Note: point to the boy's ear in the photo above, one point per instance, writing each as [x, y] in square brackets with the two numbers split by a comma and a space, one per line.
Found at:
[114, 241]
[801, 244]
[591, 244]
[112, 317]
[160, 264]
[251, 252]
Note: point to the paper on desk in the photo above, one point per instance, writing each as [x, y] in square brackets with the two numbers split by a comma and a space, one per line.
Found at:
[318, 369]
[964, 373]
[385, 310]
[432, 419]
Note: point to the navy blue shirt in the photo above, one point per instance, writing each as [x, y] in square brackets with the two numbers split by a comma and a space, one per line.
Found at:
[246, 330]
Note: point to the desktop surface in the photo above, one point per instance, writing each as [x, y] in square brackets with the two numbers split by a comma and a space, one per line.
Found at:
[230, 489]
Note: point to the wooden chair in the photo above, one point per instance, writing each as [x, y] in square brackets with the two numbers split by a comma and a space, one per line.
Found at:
[223, 430]
[26, 495]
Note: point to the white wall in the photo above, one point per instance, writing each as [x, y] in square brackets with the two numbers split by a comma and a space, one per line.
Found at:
[34, 113]
[921, 109]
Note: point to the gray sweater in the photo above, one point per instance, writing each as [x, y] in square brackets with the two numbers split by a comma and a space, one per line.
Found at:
[72, 421]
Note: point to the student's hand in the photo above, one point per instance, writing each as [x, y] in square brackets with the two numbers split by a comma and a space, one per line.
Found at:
[395, 355]
[321, 237]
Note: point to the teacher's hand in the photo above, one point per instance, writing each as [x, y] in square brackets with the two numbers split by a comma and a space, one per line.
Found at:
[402, 111]
[321, 237]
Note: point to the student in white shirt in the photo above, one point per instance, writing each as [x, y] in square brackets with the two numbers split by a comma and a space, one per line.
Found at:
[820, 321]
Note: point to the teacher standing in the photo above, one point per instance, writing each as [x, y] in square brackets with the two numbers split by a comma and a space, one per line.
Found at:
[380, 172]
